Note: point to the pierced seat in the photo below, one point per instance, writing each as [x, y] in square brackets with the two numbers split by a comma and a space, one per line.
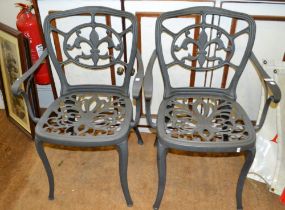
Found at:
[97, 118]
[207, 122]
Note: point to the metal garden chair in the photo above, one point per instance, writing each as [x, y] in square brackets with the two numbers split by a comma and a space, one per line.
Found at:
[205, 118]
[89, 115]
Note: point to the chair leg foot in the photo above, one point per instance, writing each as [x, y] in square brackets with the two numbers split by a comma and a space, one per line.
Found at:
[161, 166]
[123, 168]
[250, 154]
[42, 154]
[138, 134]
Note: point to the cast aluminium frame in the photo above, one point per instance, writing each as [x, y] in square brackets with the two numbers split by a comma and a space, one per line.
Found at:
[120, 140]
[163, 145]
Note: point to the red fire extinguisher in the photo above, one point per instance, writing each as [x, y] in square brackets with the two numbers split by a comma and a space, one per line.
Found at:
[28, 25]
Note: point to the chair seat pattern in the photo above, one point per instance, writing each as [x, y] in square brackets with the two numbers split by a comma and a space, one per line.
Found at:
[205, 119]
[86, 115]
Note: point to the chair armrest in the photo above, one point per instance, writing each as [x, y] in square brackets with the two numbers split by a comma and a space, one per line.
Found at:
[269, 82]
[267, 103]
[135, 122]
[16, 85]
[138, 81]
[28, 75]
[148, 89]
[148, 79]
[271, 85]
[137, 87]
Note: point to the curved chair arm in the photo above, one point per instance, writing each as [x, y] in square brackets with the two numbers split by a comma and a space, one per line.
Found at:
[271, 85]
[28, 75]
[148, 88]
[137, 87]
[138, 81]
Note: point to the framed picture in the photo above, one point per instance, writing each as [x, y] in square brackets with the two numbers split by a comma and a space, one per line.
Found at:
[13, 63]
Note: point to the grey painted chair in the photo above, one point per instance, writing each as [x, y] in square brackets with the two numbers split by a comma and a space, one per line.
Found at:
[89, 115]
[204, 119]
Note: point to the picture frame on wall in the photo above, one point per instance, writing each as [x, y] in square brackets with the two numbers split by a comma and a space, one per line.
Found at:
[14, 61]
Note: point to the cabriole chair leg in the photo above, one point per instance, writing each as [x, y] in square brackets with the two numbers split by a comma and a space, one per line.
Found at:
[250, 154]
[42, 154]
[138, 134]
[161, 166]
[123, 169]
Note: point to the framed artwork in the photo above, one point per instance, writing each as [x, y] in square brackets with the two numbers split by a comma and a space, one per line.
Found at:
[13, 62]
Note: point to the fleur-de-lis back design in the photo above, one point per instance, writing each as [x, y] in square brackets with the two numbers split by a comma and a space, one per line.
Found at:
[202, 44]
[94, 43]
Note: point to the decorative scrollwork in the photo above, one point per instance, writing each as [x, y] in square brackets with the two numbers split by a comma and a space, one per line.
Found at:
[92, 45]
[94, 42]
[86, 115]
[200, 120]
[181, 52]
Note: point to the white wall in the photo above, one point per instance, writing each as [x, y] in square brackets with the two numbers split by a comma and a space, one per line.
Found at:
[8, 14]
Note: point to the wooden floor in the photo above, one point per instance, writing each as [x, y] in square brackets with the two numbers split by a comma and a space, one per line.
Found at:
[89, 179]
